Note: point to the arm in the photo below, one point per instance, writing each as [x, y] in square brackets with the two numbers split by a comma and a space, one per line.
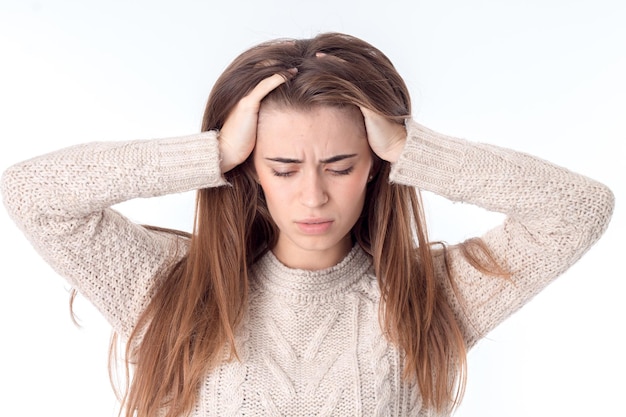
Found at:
[553, 217]
[61, 202]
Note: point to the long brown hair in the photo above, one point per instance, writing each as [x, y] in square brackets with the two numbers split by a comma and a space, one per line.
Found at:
[195, 313]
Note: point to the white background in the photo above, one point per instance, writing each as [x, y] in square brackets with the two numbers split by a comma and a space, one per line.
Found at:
[542, 76]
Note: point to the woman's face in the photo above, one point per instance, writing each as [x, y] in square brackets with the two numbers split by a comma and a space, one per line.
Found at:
[313, 167]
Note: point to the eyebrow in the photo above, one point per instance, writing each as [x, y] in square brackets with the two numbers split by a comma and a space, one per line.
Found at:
[330, 160]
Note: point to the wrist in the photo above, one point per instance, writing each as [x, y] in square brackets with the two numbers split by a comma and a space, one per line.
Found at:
[393, 154]
[227, 157]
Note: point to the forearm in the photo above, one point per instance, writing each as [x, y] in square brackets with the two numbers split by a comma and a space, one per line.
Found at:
[525, 188]
[83, 179]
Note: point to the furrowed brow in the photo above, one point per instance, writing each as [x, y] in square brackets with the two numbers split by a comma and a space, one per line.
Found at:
[285, 160]
[337, 158]
[330, 160]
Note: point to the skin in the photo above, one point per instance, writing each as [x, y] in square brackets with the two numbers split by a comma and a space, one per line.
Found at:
[313, 167]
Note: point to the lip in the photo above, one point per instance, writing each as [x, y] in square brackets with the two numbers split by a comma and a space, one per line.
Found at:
[314, 226]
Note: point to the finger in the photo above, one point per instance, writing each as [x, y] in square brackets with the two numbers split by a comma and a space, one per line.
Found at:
[331, 57]
[367, 113]
[268, 84]
[372, 119]
[376, 120]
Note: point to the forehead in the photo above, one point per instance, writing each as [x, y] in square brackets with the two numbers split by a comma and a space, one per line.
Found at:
[319, 125]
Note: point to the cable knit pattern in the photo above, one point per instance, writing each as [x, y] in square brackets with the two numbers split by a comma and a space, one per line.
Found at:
[381, 381]
[312, 320]
[311, 344]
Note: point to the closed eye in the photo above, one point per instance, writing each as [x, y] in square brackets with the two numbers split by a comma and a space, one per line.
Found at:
[282, 173]
[346, 171]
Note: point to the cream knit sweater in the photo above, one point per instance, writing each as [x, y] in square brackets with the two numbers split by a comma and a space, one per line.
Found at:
[310, 344]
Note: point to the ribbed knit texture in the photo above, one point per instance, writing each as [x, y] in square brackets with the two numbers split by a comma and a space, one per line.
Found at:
[310, 344]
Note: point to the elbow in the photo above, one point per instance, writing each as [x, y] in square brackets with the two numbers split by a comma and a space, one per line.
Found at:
[587, 222]
[598, 210]
[9, 188]
[20, 194]
[565, 233]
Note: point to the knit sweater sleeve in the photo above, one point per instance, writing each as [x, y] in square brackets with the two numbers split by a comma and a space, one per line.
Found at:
[553, 216]
[62, 200]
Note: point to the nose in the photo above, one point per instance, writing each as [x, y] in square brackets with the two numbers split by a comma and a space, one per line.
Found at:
[313, 191]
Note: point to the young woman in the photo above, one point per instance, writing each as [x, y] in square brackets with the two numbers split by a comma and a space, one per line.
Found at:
[308, 285]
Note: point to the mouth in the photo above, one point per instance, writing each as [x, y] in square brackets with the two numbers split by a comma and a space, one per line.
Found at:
[314, 226]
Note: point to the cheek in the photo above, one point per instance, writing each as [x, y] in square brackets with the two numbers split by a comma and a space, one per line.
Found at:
[352, 193]
[276, 194]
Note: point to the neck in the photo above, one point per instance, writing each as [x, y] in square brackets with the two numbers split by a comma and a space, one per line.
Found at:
[312, 259]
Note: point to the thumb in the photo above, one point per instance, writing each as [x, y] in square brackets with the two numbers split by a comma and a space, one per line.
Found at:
[386, 137]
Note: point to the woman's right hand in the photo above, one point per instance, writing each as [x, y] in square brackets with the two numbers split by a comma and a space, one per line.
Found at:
[238, 135]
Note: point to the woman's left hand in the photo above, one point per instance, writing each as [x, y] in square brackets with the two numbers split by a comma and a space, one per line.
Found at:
[385, 137]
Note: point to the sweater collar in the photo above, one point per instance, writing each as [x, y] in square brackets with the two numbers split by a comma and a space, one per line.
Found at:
[307, 285]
